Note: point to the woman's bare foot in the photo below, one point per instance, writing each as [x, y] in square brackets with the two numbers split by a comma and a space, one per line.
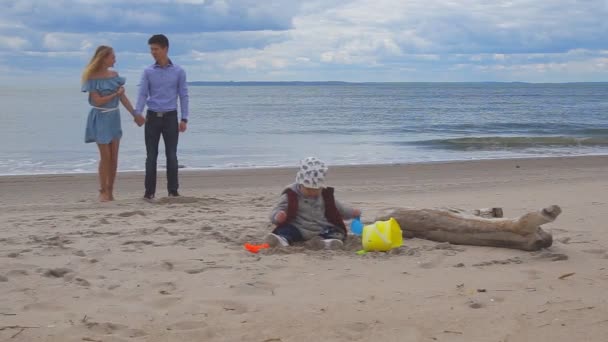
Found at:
[104, 196]
[110, 194]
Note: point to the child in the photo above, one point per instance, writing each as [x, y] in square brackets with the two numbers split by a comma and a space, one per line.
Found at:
[307, 209]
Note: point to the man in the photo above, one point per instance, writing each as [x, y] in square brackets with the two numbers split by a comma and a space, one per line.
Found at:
[161, 84]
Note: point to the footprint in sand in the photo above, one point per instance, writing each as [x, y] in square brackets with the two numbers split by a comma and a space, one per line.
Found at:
[532, 274]
[48, 218]
[149, 231]
[229, 306]
[550, 255]
[180, 241]
[446, 246]
[196, 271]
[179, 200]
[130, 250]
[595, 251]
[210, 265]
[132, 213]
[138, 242]
[165, 302]
[351, 331]
[221, 237]
[58, 241]
[165, 286]
[255, 288]
[81, 282]
[187, 325]
[167, 221]
[79, 253]
[43, 306]
[432, 263]
[114, 329]
[95, 233]
[56, 272]
[515, 260]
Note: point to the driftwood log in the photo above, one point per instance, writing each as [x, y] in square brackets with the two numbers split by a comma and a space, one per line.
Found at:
[484, 227]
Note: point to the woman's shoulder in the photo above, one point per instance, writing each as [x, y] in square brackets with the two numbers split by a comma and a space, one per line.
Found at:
[107, 80]
[103, 76]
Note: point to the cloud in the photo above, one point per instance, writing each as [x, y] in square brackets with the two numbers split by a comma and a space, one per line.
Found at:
[356, 40]
[151, 15]
[65, 42]
[13, 43]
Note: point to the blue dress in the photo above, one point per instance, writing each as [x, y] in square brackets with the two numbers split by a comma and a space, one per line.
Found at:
[103, 123]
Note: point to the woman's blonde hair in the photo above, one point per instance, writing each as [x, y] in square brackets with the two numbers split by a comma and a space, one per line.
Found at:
[96, 62]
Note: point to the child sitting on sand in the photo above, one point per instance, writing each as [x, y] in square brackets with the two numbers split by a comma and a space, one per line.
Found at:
[307, 210]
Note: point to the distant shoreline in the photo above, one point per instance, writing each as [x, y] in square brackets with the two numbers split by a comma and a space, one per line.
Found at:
[278, 168]
[345, 83]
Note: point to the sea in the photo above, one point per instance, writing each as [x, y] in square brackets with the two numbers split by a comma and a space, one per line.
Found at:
[258, 125]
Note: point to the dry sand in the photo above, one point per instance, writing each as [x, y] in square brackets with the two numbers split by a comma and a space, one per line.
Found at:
[73, 269]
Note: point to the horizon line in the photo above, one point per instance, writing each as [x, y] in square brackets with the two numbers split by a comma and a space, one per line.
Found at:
[384, 82]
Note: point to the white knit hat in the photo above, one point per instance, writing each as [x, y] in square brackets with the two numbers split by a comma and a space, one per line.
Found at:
[312, 173]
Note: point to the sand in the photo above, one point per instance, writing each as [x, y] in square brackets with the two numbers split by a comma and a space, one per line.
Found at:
[73, 269]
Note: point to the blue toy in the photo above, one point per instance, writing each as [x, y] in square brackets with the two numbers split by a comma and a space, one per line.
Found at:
[356, 226]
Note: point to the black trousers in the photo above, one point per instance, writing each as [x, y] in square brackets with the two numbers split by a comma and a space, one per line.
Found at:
[167, 126]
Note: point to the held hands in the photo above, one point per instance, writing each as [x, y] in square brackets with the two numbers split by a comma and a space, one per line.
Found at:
[280, 217]
[139, 119]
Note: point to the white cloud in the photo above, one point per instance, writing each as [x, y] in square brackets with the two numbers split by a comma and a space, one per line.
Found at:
[54, 54]
[337, 39]
[85, 44]
[62, 42]
[193, 2]
[7, 24]
[13, 43]
[54, 41]
[278, 63]
[245, 63]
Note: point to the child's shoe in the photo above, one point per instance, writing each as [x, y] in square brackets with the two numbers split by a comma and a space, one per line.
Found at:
[333, 244]
[274, 240]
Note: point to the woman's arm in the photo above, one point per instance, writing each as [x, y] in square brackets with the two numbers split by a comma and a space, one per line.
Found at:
[100, 100]
[125, 102]
[139, 119]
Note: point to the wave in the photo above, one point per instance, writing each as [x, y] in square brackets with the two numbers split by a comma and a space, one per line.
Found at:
[540, 129]
[502, 143]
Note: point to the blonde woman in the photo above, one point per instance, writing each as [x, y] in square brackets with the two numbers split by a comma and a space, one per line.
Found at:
[105, 90]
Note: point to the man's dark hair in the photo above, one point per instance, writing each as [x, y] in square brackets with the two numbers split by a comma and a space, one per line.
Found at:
[159, 39]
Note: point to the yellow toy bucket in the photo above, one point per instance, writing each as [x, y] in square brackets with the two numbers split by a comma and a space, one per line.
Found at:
[382, 236]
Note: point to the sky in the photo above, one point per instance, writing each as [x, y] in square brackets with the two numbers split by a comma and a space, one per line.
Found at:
[50, 41]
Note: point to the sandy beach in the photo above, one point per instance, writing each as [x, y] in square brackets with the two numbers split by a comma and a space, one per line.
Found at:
[73, 269]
